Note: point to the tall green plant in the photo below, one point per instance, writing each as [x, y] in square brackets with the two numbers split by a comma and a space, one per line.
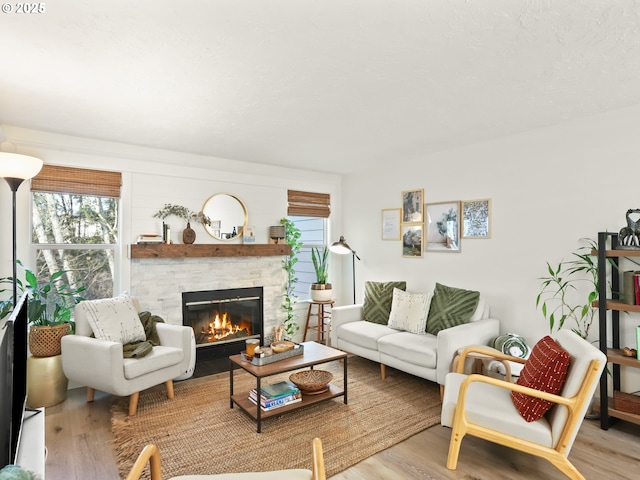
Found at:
[320, 264]
[560, 298]
[292, 238]
[50, 303]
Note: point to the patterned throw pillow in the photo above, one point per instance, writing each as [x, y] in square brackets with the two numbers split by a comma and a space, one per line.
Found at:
[546, 371]
[377, 300]
[409, 311]
[450, 307]
[115, 319]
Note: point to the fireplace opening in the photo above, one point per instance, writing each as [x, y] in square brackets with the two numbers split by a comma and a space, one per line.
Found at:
[222, 320]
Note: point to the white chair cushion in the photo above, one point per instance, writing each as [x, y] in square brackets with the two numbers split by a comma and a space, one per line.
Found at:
[114, 319]
[411, 348]
[409, 311]
[159, 358]
[298, 474]
[490, 406]
[364, 334]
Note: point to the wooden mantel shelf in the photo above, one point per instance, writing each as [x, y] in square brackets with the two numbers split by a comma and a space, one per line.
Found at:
[208, 250]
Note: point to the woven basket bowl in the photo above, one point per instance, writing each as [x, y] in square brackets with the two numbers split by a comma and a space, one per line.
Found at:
[45, 341]
[311, 380]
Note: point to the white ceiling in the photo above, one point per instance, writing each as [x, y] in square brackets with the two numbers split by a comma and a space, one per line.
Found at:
[330, 85]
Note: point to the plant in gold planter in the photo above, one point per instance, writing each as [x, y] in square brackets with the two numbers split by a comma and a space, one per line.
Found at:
[49, 309]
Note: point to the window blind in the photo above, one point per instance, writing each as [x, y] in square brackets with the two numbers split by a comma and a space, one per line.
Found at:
[80, 181]
[308, 204]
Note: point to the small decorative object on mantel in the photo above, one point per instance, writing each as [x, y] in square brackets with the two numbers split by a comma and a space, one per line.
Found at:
[277, 234]
[248, 234]
[630, 235]
[188, 235]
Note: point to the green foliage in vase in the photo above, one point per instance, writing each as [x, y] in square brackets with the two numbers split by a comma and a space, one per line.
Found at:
[50, 303]
[320, 264]
[181, 212]
[292, 238]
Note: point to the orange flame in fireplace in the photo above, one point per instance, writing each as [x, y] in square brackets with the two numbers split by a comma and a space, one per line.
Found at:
[221, 327]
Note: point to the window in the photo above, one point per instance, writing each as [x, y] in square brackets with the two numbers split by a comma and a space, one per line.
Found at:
[75, 227]
[309, 212]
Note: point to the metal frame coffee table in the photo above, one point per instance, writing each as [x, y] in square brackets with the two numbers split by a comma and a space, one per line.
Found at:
[314, 354]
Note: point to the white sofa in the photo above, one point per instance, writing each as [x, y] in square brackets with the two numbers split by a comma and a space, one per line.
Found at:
[427, 356]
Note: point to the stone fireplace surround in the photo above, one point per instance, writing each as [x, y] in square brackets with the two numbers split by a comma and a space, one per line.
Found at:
[158, 283]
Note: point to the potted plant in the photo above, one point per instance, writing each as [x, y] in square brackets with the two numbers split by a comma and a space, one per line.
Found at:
[188, 234]
[49, 309]
[560, 298]
[292, 238]
[321, 290]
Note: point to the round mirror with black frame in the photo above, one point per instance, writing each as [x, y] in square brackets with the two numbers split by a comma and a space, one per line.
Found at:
[227, 215]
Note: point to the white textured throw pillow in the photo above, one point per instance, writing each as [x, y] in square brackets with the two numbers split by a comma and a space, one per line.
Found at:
[409, 311]
[115, 319]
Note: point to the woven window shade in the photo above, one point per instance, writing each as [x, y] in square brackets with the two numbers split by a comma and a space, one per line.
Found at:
[80, 181]
[309, 204]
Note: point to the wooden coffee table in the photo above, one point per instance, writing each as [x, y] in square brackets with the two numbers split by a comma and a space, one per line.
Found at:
[314, 354]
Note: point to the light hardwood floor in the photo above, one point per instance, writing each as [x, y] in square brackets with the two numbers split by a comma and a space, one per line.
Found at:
[78, 438]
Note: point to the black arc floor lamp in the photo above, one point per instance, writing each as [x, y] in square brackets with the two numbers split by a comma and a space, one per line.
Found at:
[342, 248]
[15, 169]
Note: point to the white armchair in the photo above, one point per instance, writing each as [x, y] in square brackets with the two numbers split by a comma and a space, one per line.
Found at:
[482, 406]
[99, 364]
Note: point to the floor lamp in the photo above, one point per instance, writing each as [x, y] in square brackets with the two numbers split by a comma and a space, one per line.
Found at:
[15, 169]
[342, 248]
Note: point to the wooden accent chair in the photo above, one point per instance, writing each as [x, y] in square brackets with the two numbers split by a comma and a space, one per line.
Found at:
[481, 406]
[151, 455]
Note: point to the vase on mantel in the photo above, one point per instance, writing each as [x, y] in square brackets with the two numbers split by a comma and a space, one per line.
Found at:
[188, 234]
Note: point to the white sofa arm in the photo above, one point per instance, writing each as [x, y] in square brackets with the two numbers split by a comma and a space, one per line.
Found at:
[104, 357]
[450, 340]
[342, 315]
[181, 337]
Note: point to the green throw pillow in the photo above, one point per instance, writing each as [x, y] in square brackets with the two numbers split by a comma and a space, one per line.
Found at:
[377, 300]
[450, 307]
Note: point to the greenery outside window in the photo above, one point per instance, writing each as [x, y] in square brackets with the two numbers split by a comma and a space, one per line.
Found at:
[78, 231]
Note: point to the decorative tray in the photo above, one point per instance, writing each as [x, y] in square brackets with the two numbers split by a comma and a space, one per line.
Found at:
[298, 349]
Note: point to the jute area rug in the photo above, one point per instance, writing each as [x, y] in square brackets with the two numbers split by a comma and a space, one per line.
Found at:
[197, 432]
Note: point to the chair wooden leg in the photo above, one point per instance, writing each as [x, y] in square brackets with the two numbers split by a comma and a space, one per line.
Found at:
[383, 371]
[565, 466]
[91, 393]
[454, 449]
[133, 403]
[441, 392]
[169, 384]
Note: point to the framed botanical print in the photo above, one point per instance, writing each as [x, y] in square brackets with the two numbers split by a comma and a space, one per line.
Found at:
[412, 240]
[476, 218]
[443, 227]
[412, 207]
[391, 223]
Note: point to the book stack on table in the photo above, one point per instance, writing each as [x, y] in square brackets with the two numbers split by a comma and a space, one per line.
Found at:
[276, 395]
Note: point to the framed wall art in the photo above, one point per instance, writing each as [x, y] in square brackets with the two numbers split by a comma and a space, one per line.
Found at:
[391, 223]
[412, 206]
[476, 218]
[412, 240]
[443, 226]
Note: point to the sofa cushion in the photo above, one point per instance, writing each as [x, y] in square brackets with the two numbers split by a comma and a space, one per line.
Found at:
[411, 348]
[545, 370]
[364, 334]
[159, 357]
[377, 300]
[409, 311]
[115, 319]
[451, 306]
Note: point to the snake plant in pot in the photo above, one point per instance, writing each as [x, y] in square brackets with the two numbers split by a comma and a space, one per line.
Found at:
[321, 290]
[49, 309]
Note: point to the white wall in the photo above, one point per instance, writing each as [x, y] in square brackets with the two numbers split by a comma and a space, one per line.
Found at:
[549, 188]
[152, 178]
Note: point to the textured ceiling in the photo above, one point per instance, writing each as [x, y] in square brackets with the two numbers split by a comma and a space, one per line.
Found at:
[330, 85]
